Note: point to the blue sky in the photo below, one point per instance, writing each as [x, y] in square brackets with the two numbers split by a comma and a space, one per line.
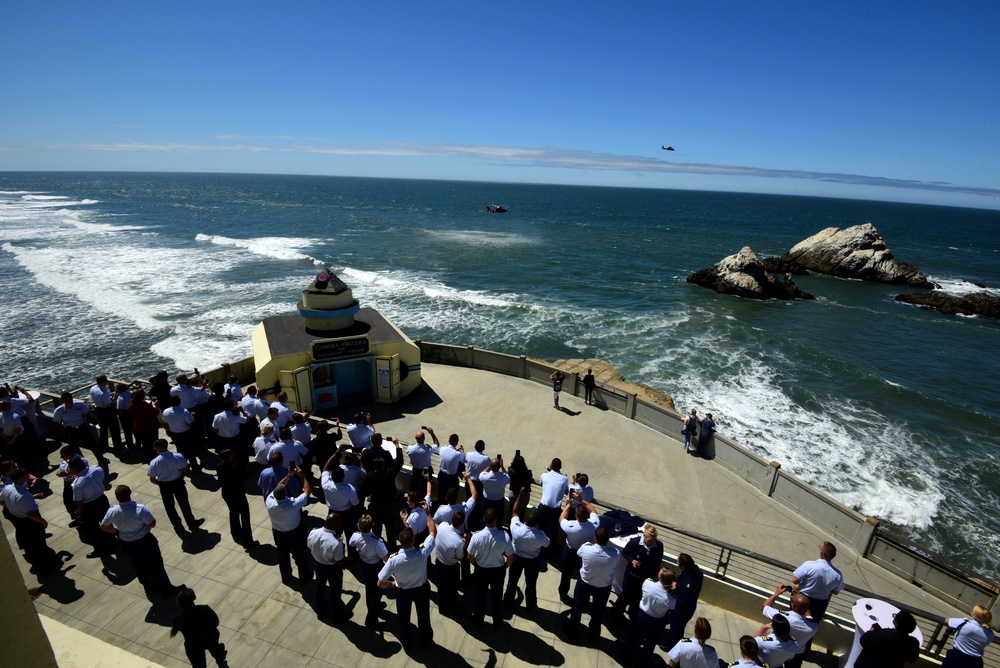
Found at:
[890, 100]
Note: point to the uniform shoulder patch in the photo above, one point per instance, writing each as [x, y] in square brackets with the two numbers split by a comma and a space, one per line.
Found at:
[765, 638]
[393, 554]
[687, 640]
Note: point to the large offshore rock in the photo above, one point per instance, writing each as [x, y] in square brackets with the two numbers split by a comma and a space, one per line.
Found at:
[853, 252]
[977, 303]
[743, 275]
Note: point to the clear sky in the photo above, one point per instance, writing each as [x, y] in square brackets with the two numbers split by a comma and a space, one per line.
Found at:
[883, 100]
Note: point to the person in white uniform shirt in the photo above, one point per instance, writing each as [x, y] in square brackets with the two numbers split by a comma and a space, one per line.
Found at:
[451, 459]
[803, 626]
[287, 528]
[451, 504]
[415, 514]
[598, 561]
[475, 463]
[578, 531]
[972, 636]
[227, 426]
[407, 572]
[495, 481]
[528, 541]
[262, 446]
[696, 653]
[449, 553]
[328, 555]
[72, 420]
[291, 450]
[90, 505]
[655, 603]
[234, 393]
[420, 457]
[132, 522]
[123, 409]
[492, 553]
[775, 643]
[340, 496]
[372, 553]
[285, 412]
[166, 471]
[819, 580]
[107, 412]
[361, 430]
[555, 485]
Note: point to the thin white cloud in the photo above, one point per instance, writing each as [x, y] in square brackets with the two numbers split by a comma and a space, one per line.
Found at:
[532, 156]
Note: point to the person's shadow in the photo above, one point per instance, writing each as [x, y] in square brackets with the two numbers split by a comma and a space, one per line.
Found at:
[568, 411]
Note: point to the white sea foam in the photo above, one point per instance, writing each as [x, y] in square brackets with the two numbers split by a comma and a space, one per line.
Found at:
[958, 287]
[389, 285]
[276, 248]
[482, 238]
[39, 197]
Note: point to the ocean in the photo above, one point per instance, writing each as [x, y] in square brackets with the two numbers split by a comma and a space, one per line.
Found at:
[891, 409]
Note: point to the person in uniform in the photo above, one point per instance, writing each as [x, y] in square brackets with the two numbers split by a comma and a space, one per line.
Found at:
[555, 486]
[179, 424]
[262, 446]
[890, 648]
[451, 504]
[415, 514]
[123, 407]
[107, 413]
[687, 591]
[227, 426]
[775, 641]
[407, 572]
[90, 505]
[656, 602]
[199, 625]
[66, 455]
[643, 557]
[380, 487]
[578, 532]
[476, 462]
[248, 403]
[293, 451]
[11, 429]
[492, 553]
[972, 636]
[285, 412]
[695, 653]
[361, 430]
[328, 555]
[340, 496]
[495, 481]
[819, 579]
[29, 525]
[133, 522]
[166, 471]
[270, 477]
[449, 554]
[451, 459]
[289, 534]
[372, 554]
[803, 627]
[420, 458]
[233, 391]
[72, 420]
[529, 541]
[748, 653]
[232, 474]
[598, 561]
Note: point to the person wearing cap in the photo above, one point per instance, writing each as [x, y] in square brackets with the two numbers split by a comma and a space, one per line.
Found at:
[407, 572]
[803, 626]
[133, 523]
[819, 579]
[775, 642]
[890, 648]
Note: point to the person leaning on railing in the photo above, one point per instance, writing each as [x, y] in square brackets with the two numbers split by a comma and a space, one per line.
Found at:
[972, 637]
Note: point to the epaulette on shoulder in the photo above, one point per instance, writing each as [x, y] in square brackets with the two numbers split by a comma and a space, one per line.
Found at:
[650, 580]
[686, 640]
[765, 638]
[393, 555]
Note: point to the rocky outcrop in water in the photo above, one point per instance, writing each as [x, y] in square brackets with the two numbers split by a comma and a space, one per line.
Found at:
[853, 252]
[977, 303]
[743, 275]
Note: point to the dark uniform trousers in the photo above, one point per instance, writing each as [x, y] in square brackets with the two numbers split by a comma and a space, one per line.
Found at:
[548, 521]
[30, 537]
[598, 597]
[107, 421]
[644, 633]
[570, 568]
[329, 583]
[420, 598]
[373, 595]
[384, 517]
[474, 520]
[292, 544]
[173, 491]
[446, 481]
[530, 568]
[489, 581]
[239, 517]
[148, 564]
[92, 513]
[447, 576]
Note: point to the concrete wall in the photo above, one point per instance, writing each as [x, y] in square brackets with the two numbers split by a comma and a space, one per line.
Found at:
[23, 641]
[845, 525]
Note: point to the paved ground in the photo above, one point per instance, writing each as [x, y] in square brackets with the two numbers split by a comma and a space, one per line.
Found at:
[265, 622]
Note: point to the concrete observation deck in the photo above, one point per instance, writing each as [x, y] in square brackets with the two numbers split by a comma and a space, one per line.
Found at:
[264, 622]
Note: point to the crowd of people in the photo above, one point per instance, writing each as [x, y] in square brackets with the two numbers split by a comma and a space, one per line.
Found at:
[479, 557]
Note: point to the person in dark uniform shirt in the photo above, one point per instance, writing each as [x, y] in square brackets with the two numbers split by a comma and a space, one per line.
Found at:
[643, 558]
[232, 475]
[200, 627]
[687, 591]
[890, 648]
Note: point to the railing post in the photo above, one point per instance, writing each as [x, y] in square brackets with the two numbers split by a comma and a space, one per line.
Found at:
[470, 357]
[524, 366]
[770, 480]
[865, 540]
[630, 405]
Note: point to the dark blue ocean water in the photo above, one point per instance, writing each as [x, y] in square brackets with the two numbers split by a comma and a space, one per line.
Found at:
[889, 408]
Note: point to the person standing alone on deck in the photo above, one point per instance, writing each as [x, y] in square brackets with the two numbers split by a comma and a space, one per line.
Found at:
[557, 381]
[589, 385]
